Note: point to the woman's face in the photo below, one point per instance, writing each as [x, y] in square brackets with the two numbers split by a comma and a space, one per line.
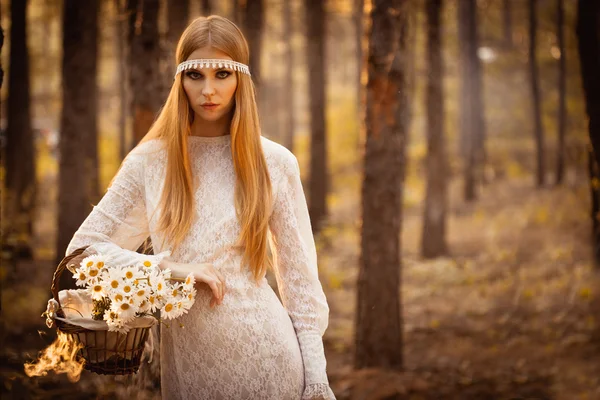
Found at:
[210, 91]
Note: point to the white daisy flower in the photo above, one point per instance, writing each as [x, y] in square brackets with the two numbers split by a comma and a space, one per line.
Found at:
[97, 291]
[159, 285]
[132, 273]
[114, 322]
[170, 310]
[81, 276]
[113, 279]
[117, 296]
[144, 306]
[140, 295]
[99, 261]
[88, 262]
[148, 263]
[153, 303]
[189, 283]
[183, 305]
[94, 273]
[128, 288]
[125, 309]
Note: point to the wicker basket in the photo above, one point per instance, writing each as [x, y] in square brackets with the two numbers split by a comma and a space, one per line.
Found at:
[104, 352]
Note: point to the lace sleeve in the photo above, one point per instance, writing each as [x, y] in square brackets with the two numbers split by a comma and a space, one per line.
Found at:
[118, 225]
[298, 279]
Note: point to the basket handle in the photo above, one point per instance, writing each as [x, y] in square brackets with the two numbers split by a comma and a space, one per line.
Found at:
[56, 277]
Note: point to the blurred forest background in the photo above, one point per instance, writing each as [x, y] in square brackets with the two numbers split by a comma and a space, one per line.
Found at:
[447, 152]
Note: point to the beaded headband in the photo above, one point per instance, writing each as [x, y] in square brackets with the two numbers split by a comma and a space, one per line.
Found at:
[213, 63]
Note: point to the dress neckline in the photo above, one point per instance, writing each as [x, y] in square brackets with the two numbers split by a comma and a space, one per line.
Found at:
[210, 139]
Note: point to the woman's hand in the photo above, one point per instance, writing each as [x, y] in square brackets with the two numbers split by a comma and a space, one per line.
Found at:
[204, 273]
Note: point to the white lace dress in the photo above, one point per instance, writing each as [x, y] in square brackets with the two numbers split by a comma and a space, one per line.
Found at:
[250, 346]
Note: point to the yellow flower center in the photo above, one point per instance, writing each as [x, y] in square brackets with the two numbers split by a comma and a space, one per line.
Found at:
[127, 289]
[190, 296]
[188, 280]
[89, 264]
[141, 292]
[147, 264]
[129, 274]
[175, 292]
[169, 307]
[114, 283]
[124, 306]
[97, 288]
[100, 264]
[159, 286]
[118, 297]
[81, 276]
[151, 299]
[93, 272]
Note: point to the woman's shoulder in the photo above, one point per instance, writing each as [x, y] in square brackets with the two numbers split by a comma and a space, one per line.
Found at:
[148, 147]
[279, 158]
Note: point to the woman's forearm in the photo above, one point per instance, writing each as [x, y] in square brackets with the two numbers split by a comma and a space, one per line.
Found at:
[178, 270]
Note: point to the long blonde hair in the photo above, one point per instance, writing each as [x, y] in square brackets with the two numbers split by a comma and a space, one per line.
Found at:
[253, 197]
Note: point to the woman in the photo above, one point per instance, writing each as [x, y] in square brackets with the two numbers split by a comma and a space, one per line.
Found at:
[215, 197]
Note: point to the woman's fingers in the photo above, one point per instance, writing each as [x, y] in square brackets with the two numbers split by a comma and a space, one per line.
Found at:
[216, 281]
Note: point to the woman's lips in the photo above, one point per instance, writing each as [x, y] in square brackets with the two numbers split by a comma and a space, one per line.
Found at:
[210, 106]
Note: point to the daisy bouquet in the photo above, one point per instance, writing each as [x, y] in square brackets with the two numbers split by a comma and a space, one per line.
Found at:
[121, 293]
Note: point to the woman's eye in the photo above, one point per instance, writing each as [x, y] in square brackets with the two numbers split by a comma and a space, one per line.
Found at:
[223, 74]
[193, 75]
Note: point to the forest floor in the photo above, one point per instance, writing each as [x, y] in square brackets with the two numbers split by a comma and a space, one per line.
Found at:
[513, 313]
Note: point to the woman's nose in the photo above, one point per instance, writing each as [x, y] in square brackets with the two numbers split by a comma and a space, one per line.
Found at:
[208, 89]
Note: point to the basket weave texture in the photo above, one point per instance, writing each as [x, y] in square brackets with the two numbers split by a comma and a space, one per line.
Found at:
[103, 352]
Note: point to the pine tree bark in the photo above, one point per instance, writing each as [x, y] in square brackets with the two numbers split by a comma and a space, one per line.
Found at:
[253, 24]
[146, 80]
[433, 240]
[288, 90]
[535, 95]
[78, 119]
[562, 93]
[123, 50]
[207, 8]
[378, 327]
[20, 149]
[358, 17]
[178, 14]
[588, 36]
[315, 55]
[507, 23]
[472, 125]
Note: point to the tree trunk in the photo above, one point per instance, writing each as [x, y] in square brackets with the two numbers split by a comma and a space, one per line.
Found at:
[288, 92]
[315, 54]
[207, 8]
[472, 125]
[253, 24]
[179, 13]
[433, 240]
[146, 80]
[359, 16]
[562, 93]
[507, 24]
[378, 326]
[535, 94]
[78, 119]
[20, 142]
[237, 13]
[588, 32]
[123, 49]
[1, 44]
[177, 17]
